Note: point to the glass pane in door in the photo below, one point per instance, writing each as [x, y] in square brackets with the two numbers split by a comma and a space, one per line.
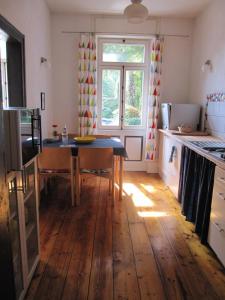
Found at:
[134, 97]
[30, 212]
[111, 81]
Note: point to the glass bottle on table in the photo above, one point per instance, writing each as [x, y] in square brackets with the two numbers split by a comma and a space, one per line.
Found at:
[64, 135]
[55, 135]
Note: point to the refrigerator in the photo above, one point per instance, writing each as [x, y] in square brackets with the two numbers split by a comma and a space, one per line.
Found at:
[20, 143]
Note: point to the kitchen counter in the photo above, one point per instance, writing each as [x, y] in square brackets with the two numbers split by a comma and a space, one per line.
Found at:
[185, 140]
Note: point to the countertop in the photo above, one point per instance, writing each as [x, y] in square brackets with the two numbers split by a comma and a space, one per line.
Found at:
[185, 140]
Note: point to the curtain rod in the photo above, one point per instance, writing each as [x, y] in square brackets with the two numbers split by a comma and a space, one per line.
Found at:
[131, 34]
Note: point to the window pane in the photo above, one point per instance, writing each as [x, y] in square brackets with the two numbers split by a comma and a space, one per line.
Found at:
[4, 75]
[123, 53]
[134, 97]
[110, 97]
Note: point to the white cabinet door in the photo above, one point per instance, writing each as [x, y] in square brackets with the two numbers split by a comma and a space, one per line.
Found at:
[216, 235]
[169, 161]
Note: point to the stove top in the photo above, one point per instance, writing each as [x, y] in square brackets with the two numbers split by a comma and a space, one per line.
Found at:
[216, 149]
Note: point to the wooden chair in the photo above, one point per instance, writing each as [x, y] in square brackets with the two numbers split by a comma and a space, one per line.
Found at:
[100, 161]
[56, 161]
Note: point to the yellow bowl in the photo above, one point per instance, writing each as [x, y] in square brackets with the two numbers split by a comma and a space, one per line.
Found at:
[84, 139]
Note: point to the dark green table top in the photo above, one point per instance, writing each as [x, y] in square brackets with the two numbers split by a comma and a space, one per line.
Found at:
[115, 143]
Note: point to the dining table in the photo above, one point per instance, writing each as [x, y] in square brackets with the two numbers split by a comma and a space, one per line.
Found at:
[119, 152]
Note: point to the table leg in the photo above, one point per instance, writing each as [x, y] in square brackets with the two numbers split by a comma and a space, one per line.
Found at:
[116, 160]
[121, 179]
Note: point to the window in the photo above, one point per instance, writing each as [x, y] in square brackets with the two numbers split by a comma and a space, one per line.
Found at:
[122, 77]
[4, 76]
[12, 66]
[123, 53]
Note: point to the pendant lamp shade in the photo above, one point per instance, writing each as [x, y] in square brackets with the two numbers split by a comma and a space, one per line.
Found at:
[136, 12]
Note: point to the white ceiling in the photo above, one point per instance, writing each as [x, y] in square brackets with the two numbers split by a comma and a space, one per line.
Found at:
[173, 8]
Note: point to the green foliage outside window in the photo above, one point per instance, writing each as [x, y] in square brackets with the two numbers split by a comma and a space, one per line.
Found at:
[133, 85]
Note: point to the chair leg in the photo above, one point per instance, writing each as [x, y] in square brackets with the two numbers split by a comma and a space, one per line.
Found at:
[72, 180]
[113, 182]
[112, 189]
[77, 183]
[110, 186]
[39, 188]
[46, 185]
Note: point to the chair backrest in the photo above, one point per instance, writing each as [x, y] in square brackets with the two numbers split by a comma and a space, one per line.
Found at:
[95, 158]
[55, 159]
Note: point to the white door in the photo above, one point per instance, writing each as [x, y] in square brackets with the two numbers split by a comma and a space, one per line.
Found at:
[122, 96]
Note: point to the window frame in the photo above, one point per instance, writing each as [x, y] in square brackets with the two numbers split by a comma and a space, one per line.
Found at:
[123, 66]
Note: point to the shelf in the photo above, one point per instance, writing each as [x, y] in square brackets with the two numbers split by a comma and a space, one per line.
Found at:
[15, 258]
[29, 230]
[12, 216]
[28, 196]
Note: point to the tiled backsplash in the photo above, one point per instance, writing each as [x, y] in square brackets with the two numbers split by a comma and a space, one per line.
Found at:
[215, 114]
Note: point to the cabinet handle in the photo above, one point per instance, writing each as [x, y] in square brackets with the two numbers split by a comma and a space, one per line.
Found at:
[173, 154]
[221, 230]
[221, 196]
[221, 179]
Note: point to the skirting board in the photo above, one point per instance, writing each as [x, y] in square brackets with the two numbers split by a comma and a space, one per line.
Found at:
[153, 167]
[150, 167]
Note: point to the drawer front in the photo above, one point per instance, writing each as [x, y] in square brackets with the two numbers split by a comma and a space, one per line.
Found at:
[218, 206]
[216, 239]
[220, 177]
[218, 199]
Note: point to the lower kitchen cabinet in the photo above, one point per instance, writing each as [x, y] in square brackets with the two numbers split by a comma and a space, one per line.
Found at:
[23, 225]
[216, 236]
[169, 161]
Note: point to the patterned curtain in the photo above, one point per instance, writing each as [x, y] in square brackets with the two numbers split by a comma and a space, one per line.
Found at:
[87, 84]
[153, 100]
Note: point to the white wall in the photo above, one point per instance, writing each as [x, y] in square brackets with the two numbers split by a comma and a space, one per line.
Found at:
[176, 69]
[208, 43]
[32, 18]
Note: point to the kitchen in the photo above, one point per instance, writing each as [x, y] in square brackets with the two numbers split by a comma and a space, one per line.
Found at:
[193, 69]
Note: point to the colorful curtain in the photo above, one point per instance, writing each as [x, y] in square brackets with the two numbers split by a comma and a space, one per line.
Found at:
[87, 84]
[153, 99]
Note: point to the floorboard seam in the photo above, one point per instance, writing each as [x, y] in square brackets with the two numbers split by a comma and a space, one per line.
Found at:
[133, 252]
[96, 218]
[45, 267]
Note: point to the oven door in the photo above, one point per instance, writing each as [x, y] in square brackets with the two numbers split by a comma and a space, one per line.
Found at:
[30, 128]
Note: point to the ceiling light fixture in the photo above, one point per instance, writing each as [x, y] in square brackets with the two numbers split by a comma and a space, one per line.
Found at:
[136, 12]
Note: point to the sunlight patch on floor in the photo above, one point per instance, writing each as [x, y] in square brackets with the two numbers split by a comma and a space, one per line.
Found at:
[152, 214]
[149, 188]
[139, 199]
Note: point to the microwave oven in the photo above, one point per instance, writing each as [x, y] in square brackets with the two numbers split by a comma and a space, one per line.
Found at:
[174, 115]
[23, 140]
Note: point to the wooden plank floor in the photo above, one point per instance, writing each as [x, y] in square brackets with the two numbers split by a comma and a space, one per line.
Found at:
[142, 248]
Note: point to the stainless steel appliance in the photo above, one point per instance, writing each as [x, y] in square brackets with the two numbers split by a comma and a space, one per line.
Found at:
[216, 149]
[22, 136]
[174, 115]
